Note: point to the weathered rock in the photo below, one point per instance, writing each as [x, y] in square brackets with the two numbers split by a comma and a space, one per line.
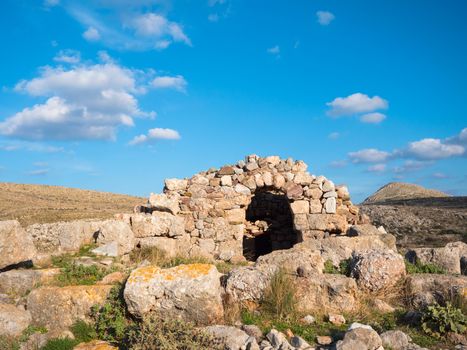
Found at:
[156, 225]
[176, 184]
[300, 207]
[253, 331]
[20, 282]
[230, 337]
[396, 340]
[95, 345]
[376, 270]
[425, 289]
[330, 205]
[291, 260]
[162, 202]
[336, 319]
[16, 245]
[191, 292]
[57, 308]
[324, 340]
[299, 343]
[363, 230]
[247, 283]
[364, 335]
[114, 232]
[278, 340]
[113, 278]
[13, 321]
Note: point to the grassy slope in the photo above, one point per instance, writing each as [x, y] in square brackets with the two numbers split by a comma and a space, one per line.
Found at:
[40, 204]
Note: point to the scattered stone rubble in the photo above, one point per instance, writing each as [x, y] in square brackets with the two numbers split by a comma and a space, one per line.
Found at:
[267, 213]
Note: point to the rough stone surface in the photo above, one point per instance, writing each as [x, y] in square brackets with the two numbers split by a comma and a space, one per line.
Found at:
[57, 308]
[13, 320]
[16, 245]
[375, 270]
[366, 336]
[190, 292]
[20, 282]
[95, 345]
[396, 340]
[230, 337]
[114, 232]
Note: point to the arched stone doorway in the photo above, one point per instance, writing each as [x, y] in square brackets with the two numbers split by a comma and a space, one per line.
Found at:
[269, 224]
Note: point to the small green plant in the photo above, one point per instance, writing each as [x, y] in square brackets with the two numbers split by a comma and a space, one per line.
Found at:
[110, 321]
[157, 333]
[343, 269]
[419, 267]
[438, 320]
[30, 330]
[83, 331]
[280, 296]
[60, 344]
[74, 274]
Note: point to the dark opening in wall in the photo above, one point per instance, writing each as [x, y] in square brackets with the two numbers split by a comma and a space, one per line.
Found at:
[269, 224]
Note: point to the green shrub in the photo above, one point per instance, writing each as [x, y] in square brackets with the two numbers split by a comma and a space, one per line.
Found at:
[60, 344]
[419, 267]
[280, 296]
[167, 334]
[438, 320]
[74, 274]
[30, 330]
[110, 319]
[343, 269]
[83, 332]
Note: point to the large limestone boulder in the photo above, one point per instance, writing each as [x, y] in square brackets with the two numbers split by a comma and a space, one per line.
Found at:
[159, 224]
[425, 289]
[57, 308]
[16, 246]
[20, 282]
[396, 340]
[448, 257]
[376, 270]
[247, 284]
[326, 293]
[190, 292]
[340, 248]
[163, 202]
[114, 232]
[360, 337]
[13, 321]
[292, 260]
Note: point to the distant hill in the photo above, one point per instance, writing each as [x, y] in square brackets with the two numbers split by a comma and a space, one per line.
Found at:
[401, 191]
[41, 204]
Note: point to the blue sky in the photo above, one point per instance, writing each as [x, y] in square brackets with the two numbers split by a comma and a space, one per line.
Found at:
[118, 95]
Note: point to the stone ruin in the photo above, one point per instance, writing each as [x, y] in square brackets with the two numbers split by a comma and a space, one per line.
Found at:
[243, 210]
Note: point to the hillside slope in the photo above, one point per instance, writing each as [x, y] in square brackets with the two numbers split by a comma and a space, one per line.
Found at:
[40, 204]
[401, 190]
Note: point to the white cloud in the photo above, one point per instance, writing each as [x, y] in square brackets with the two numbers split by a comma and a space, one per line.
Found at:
[104, 57]
[334, 135]
[325, 17]
[275, 50]
[369, 155]
[215, 2]
[83, 102]
[372, 118]
[157, 26]
[91, 34]
[411, 165]
[30, 147]
[354, 104]
[440, 175]
[433, 149]
[51, 3]
[39, 172]
[156, 134]
[213, 17]
[166, 82]
[162, 44]
[68, 56]
[377, 168]
[41, 164]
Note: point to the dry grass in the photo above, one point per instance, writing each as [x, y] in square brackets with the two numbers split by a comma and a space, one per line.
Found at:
[31, 204]
[280, 297]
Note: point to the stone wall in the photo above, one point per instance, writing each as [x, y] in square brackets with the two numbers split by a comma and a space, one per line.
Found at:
[208, 214]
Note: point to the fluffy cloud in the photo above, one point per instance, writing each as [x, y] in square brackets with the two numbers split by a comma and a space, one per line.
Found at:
[431, 149]
[355, 104]
[91, 34]
[325, 17]
[83, 102]
[275, 50]
[156, 134]
[372, 118]
[157, 26]
[68, 56]
[166, 82]
[334, 135]
[369, 155]
[377, 168]
[38, 172]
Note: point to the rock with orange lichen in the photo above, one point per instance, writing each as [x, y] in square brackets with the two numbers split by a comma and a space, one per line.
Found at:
[95, 345]
[189, 292]
[57, 308]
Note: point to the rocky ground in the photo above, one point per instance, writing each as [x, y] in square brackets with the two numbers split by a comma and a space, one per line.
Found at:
[170, 276]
